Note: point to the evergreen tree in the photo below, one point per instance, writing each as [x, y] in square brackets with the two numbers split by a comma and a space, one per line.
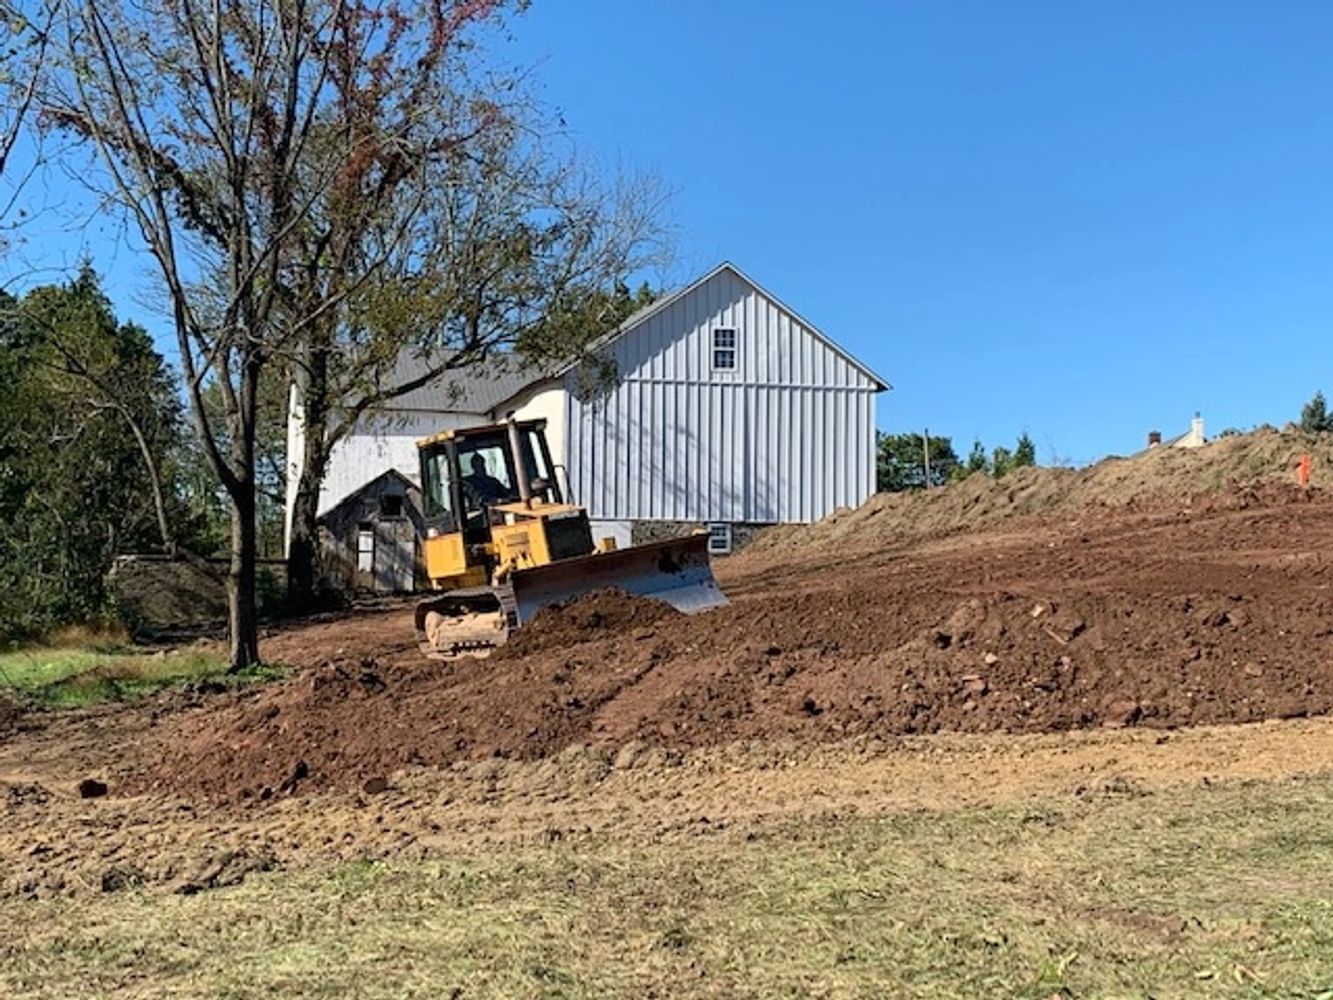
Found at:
[89, 422]
[1315, 417]
[901, 462]
[1025, 453]
[977, 460]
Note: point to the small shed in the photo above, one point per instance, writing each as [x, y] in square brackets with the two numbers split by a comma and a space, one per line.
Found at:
[369, 539]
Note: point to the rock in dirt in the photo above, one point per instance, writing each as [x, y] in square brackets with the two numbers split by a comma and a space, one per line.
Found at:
[229, 868]
[630, 755]
[91, 788]
[1122, 712]
[377, 785]
[974, 684]
[120, 877]
[299, 773]
[25, 794]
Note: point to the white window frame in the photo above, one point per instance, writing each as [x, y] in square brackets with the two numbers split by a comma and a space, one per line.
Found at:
[719, 538]
[365, 554]
[733, 349]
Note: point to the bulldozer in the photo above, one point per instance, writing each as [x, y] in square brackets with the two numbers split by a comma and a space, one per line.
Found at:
[502, 542]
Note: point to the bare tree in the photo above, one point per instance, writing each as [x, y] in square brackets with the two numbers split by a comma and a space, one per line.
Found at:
[205, 121]
[466, 260]
[25, 35]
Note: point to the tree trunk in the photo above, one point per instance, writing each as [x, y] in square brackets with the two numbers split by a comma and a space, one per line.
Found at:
[312, 391]
[242, 608]
[303, 548]
[242, 604]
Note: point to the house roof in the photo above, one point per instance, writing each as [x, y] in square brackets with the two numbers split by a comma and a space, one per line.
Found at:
[475, 389]
[658, 305]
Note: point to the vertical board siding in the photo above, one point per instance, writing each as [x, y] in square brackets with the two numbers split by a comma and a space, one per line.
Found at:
[787, 436]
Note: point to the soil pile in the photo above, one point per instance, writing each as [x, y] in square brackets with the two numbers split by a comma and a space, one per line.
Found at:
[582, 619]
[1163, 619]
[1264, 460]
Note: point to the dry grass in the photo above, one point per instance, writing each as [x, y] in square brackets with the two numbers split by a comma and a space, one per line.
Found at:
[1214, 891]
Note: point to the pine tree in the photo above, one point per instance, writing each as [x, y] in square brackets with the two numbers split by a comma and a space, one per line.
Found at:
[977, 460]
[1025, 453]
[1315, 417]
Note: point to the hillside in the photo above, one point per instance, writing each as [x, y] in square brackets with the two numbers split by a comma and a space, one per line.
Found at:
[1160, 476]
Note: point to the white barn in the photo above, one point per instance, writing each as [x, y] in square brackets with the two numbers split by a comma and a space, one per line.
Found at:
[729, 408]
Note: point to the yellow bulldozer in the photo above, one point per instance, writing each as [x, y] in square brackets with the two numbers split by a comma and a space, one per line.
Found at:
[502, 542]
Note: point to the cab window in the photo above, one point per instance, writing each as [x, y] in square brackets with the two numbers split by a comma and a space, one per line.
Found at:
[436, 486]
[487, 476]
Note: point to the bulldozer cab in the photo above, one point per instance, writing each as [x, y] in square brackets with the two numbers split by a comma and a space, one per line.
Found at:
[466, 474]
[502, 543]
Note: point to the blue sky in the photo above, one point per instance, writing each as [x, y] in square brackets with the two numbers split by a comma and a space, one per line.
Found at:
[1083, 220]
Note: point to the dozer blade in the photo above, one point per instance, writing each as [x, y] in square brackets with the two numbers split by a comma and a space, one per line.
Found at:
[677, 572]
[468, 622]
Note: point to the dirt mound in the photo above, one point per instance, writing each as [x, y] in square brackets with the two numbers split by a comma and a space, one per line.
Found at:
[1163, 619]
[1263, 460]
[11, 713]
[599, 613]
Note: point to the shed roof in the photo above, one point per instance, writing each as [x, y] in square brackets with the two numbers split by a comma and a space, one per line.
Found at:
[336, 510]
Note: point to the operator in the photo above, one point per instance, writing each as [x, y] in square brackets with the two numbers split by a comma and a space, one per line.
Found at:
[484, 487]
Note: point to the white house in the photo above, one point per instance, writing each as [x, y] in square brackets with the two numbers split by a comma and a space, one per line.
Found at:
[728, 408]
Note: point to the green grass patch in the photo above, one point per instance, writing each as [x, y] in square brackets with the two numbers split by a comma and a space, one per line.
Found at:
[80, 675]
[1221, 892]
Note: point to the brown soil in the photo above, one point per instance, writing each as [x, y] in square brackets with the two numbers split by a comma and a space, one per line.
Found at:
[1209, 612]
[11, 714]
[1161, 477]
[562, 625]
[860, 668]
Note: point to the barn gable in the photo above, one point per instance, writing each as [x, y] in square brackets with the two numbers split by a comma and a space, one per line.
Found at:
[670, 339]
[785, 433]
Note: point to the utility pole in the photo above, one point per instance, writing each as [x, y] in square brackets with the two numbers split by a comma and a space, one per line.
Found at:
[925, 450]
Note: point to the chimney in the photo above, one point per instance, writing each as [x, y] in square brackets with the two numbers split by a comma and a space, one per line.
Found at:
[1154, 438]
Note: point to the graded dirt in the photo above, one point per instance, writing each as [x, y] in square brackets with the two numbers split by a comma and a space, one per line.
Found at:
[1067, 648]
[1219, 612]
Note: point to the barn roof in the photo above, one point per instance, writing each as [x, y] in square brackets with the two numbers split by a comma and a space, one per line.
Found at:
[666, 300]
[650, 310]
[482, 389]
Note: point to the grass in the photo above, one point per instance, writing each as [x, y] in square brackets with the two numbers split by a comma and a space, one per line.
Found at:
[1208, 892]
[94, 671]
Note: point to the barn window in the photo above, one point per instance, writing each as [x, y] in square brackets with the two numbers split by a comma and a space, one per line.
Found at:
[365, 547]
[719, 539]
[391, 506]
[724, 349]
